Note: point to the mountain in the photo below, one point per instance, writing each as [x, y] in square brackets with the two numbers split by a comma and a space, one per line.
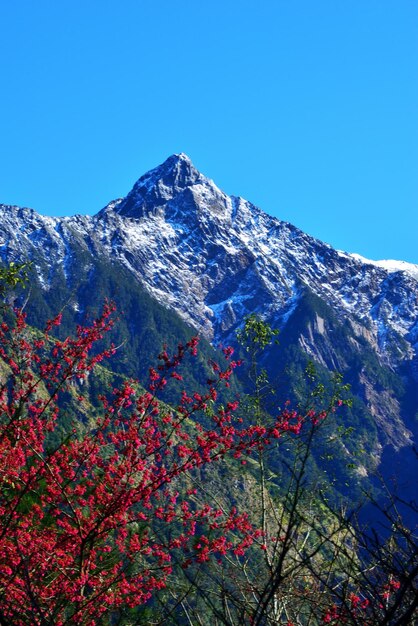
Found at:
[179, 244]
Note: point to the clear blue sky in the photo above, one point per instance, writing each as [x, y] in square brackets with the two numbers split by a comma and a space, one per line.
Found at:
[307, 108]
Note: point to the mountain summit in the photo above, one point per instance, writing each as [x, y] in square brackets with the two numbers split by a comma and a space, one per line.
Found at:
[160, 185]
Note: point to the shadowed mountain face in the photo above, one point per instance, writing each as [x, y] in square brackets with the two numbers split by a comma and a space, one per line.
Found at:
[212, 259]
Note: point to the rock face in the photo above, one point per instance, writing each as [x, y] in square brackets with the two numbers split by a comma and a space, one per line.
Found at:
[213, 259]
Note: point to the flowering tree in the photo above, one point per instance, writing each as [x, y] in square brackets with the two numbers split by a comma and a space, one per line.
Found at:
[96, 521]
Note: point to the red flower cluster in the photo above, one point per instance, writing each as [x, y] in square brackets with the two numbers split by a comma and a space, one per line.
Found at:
[93, 523]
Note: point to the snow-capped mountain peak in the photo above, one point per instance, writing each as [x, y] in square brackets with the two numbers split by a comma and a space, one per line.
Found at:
[160, 185]
[214, 259]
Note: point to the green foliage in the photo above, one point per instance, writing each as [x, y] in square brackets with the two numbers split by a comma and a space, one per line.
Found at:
[256, 334]
[13, 275]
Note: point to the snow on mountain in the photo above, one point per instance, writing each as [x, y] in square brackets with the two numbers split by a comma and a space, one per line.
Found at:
[216, 258]
[391, 265]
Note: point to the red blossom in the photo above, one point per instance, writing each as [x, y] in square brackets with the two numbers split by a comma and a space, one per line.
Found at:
[91, 489]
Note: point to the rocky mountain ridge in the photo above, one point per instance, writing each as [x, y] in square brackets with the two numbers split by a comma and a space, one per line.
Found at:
[214, 259]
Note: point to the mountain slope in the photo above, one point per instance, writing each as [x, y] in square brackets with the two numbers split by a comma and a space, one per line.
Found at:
[212, 259]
